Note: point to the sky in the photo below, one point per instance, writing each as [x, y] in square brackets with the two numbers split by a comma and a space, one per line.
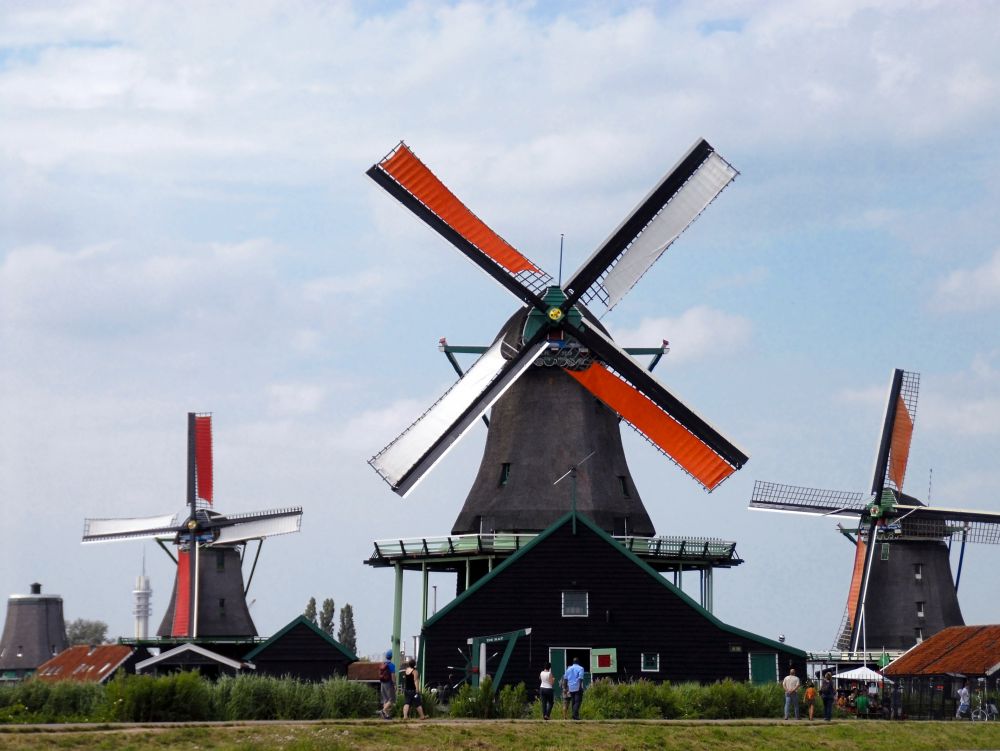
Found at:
[185, 225]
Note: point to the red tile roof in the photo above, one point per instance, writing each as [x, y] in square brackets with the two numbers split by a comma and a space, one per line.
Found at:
[969, 650]
[84, 663]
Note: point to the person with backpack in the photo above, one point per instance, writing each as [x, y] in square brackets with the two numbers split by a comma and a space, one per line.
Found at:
[810, 697]
[387, 686]
[827, 693]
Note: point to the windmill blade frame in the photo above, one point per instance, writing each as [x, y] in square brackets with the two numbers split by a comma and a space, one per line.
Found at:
[411, 182]
[421, 446]
[797, 499]
[893, 451]
[106, 530]
[258, 525]
[651, 227]
[646, 405]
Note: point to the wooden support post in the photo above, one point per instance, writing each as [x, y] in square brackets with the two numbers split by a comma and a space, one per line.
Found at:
[397, 614]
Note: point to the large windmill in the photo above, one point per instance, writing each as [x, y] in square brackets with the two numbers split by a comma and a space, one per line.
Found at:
[902, 588]
[209, 597]
[549, 362]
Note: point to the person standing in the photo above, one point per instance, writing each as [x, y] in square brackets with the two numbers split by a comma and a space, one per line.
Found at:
[387, 686]
[827, 694]
[411, 690]
[546, 690]
[574, 681]
[963, 700]
[791, 686]
[810, 697]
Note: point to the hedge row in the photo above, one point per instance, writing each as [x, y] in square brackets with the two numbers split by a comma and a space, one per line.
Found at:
[185, 697]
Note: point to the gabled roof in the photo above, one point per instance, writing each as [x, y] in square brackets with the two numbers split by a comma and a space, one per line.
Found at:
[583, 520]
[177, 651]
[301, 620]
[964, 650]
[84, 663]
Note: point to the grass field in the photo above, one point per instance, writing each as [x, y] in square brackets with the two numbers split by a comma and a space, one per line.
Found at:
[506, 734]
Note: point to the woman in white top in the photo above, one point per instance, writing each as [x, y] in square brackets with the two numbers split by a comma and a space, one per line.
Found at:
[546, 690]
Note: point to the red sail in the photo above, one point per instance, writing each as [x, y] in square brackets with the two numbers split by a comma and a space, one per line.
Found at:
[203, 456]
[182, 597]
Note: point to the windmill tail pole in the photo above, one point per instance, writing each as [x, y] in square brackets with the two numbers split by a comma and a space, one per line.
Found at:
[961, 557]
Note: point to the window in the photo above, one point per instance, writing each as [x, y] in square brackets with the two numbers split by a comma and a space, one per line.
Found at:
[504, 474]
[918, 571]
[650, 662]
[222, 604]
[575, 604]
[920, 610]
[918, 634]
[623, 484]
[20, 651]
[735, 647]
[220, 560]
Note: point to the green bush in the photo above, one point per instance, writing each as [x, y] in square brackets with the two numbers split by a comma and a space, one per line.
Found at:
[180, 697]
[512, 702]
[343, 699]
[474, 702]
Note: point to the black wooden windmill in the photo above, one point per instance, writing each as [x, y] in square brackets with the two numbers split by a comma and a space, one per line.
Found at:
[551, 360]
[209, 597]
[902, 589]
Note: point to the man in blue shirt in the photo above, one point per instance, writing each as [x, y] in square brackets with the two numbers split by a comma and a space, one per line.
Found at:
[387, 686]
[574, 681]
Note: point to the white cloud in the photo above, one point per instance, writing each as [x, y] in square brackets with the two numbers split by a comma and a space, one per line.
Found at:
[295, 398]
[699, 333]
[971, 289]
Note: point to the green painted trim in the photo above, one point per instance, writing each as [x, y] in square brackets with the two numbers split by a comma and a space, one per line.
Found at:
[301, 619]
[586, 521]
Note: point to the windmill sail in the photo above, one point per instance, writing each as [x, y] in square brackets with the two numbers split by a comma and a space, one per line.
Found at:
[652, 226]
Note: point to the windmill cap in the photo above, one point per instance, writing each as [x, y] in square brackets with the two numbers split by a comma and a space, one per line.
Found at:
[388, 654]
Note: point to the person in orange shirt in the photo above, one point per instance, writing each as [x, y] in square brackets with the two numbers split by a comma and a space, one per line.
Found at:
[810, 698]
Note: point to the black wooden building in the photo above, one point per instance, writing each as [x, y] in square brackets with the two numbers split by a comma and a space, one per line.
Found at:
[582, 594]
[301, 650]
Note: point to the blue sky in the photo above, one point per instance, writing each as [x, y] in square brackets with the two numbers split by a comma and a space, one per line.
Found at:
[187, 226]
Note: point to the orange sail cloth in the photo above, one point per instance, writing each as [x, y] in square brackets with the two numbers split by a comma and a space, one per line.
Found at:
[644, 415]
[859, 571]
[413, 175]
[182, 597]
[899, 451]
[203, 456]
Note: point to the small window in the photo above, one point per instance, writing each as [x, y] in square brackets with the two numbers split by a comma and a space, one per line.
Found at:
[734, 647]
[920, 610]
[220, 560]
[575, 604]
[504, 474]
[623, 484]
[20, 651]
[918, 634]
[650, 662]
[918, 571]
[222, 603]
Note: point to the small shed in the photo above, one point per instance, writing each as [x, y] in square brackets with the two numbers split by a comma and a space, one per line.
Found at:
[192, 657]
[932, 672]
[301, 650]
[89, 664]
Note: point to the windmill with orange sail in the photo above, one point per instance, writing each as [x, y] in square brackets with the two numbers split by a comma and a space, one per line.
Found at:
[902, 589]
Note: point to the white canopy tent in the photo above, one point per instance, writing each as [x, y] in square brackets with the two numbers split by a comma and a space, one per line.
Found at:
[862, 674]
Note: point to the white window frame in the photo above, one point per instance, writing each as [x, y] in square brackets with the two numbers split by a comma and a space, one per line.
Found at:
[642, 662]
[586, 603]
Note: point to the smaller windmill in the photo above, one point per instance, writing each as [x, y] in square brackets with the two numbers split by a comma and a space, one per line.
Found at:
[207, 600]
[902, 588]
